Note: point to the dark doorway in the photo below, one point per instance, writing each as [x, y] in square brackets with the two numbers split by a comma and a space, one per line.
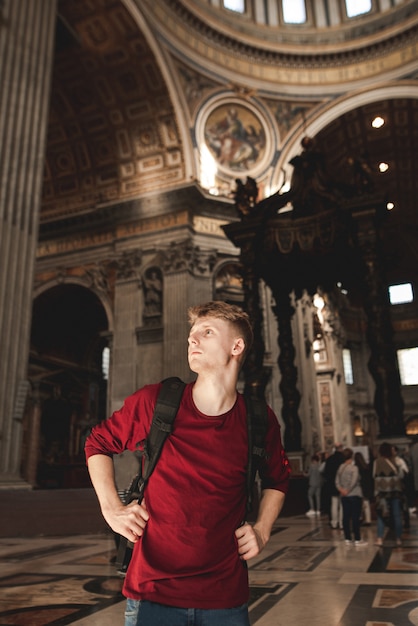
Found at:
[68, 336]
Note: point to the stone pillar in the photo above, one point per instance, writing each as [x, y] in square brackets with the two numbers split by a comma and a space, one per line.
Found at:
[33, 436]
[26, 56]
[187, 269]
[176, 327]
[127, 294]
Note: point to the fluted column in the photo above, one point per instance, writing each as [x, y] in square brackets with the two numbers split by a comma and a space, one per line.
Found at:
[26, 57]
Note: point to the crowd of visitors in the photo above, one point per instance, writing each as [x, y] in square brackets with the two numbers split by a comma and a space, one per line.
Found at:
[352, 489]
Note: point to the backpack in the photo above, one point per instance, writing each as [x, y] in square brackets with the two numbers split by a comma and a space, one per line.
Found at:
[166, 407]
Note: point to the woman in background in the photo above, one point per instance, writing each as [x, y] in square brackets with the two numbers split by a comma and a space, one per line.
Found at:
[388, 490]
[347, 482]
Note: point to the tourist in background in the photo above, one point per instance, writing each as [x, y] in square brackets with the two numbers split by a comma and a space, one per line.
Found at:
[314, 487]
[333, 497]
[347, 482]
[407, 480]
[413, 455]
[388, 491]
[366, 483]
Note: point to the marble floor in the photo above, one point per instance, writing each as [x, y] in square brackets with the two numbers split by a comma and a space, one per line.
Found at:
[306, 576]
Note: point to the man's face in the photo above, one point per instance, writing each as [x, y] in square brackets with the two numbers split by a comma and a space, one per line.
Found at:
[212, 344]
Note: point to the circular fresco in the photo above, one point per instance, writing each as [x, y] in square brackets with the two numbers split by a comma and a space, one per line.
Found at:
[235, 137]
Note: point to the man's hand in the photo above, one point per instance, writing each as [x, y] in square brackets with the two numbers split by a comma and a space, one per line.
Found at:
[129, 521]
[252, 539]
[250, 542]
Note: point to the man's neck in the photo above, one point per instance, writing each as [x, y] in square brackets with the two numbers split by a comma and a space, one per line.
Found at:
[214, 397]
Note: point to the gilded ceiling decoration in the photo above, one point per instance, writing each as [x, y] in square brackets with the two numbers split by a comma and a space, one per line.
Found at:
[112, 130]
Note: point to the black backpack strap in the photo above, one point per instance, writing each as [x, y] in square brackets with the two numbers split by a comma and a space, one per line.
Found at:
[165, 411]
[166, 407]
[257, 424]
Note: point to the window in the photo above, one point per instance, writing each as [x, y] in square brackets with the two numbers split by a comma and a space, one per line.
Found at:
[105, 363]
[320, 353]
[294, 11]
[235, 5]
[357, 7]
[401, 294]
[408, 366]
[348, 367]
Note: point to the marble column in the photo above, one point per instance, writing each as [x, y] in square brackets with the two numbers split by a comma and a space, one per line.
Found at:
[26, 57]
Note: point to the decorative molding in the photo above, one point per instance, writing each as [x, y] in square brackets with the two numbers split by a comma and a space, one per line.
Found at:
[127, 264]
[264, 61]
[185, 256]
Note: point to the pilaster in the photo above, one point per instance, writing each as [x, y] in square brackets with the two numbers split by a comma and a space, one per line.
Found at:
[26, 55]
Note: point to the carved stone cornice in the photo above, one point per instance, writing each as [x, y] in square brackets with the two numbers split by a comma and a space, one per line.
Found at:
[234, 27]
[270, 59]
[185, 256]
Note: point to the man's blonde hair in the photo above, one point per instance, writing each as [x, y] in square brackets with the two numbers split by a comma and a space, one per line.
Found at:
[230, 313]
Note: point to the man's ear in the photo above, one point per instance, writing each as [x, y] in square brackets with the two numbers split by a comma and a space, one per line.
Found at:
[238, 347]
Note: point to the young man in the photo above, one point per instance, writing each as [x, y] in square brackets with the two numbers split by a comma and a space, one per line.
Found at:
[191, 540]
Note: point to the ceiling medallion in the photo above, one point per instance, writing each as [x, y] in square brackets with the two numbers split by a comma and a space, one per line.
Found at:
[236, 136]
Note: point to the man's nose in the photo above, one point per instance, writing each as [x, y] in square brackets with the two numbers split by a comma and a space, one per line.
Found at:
[192, 339]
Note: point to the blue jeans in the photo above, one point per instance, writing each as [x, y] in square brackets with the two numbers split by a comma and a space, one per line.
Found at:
[351, 516]
[144, 613]
[396, 513]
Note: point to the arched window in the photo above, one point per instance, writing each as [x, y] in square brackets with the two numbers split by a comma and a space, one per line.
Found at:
[105, 363]
[294, 11]
[235, 5]
[357, 7]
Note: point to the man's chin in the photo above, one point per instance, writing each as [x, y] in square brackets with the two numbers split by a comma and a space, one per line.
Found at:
[193, 365]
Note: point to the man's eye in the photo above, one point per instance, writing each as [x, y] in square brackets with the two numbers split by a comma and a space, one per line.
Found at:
[208, 331]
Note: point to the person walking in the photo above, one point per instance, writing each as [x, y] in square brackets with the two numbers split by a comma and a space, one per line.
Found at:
[407, 481]
[388, 491]
[347, 482]
[332, 464]
[314, 487]
[192, 543]
[366, 483]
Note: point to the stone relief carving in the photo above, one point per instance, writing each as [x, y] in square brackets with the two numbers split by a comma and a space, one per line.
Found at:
[195, 85]
[98, 277]
[127, 264]
[152, 283]
[185, 255]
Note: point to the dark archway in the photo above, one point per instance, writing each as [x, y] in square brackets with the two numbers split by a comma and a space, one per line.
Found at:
[68, 336]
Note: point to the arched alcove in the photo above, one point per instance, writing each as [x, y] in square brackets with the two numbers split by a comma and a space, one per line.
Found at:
[68, 336]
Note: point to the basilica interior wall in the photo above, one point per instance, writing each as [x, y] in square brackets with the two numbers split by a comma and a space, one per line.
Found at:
[152, 126]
